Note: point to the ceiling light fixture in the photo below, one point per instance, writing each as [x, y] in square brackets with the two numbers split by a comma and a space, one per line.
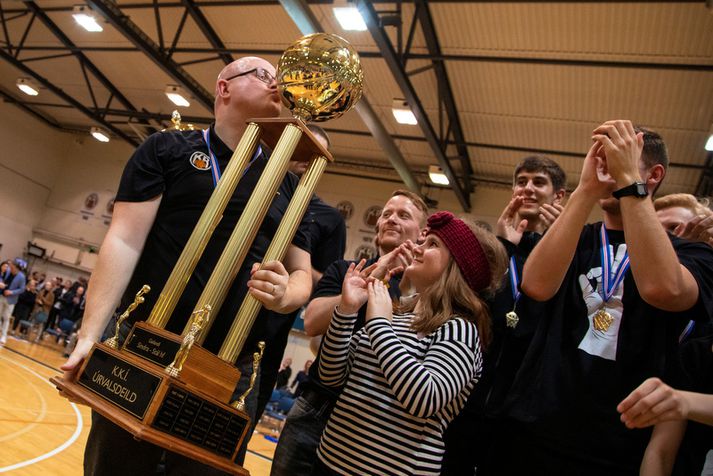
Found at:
[435, 173]
[709, 142]
[99, 134]
[83, 15]
[349, 18]
[177, 95]
[402, 112]
[28, 86]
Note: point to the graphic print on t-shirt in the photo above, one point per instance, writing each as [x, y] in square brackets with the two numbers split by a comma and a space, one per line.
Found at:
[602, 343]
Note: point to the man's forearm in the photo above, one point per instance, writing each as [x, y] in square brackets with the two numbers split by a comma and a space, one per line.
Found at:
[299, 287]
[111, 275]
[700, 407]
[652, 256]
[547, 265]
[318, 314]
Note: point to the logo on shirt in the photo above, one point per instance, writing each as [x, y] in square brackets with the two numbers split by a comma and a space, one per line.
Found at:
[200, 160]
[601, 341]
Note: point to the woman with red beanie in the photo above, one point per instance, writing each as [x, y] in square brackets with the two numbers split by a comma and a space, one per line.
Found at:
[409, 374]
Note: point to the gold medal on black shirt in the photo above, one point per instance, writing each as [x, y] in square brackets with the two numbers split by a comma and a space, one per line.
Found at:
[602, 320]
[511, 319]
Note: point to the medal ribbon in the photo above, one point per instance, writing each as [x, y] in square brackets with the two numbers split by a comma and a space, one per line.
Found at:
[514, 280]
[611, 281]
[215, 168]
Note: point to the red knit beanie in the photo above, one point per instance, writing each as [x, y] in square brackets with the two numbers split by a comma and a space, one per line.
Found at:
[464, 247]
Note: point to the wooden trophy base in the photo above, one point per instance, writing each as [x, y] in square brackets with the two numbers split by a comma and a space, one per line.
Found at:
[189, 414]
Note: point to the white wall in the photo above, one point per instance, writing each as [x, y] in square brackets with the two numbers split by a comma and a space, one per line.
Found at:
[32, 155]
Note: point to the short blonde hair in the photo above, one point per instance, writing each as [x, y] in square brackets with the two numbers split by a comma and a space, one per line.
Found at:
[684, 200]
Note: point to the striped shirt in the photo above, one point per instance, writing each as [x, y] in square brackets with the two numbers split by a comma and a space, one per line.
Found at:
[402, 390]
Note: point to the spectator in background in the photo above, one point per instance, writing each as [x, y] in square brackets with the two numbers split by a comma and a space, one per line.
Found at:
[10, 294]
[301, 378]
[63, 287]
[25, 304]
[684, 216]
[284, 373]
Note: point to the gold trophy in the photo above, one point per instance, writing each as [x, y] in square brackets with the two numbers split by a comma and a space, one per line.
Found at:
[166, 389]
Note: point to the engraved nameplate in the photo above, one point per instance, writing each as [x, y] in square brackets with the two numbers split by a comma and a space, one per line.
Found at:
[121, 383]
[152, 347]
[189, 417]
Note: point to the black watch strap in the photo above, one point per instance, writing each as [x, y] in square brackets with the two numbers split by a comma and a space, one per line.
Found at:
[636, 189]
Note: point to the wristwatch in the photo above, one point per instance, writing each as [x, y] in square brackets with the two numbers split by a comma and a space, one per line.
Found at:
[636, 189]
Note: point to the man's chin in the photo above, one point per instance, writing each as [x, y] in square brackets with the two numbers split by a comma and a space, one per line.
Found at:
[609, 204]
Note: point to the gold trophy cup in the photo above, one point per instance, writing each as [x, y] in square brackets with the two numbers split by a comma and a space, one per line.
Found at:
[166, 389]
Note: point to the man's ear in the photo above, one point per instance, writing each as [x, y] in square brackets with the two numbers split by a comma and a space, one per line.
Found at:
[559, 196]
[222, 88]
[654, 177]
[422, 235]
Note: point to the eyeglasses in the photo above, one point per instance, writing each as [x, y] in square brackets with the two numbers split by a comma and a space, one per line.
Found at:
[260, 73]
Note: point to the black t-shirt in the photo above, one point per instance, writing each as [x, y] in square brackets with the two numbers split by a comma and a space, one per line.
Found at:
[162, 165]
[574, 376]
[327, 233]
[331, 285]
[694, 372]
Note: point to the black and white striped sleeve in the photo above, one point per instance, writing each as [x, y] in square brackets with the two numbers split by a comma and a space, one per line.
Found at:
[338, 349]
[424, 388]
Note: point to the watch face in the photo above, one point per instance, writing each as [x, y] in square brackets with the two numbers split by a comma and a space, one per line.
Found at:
[641, 190]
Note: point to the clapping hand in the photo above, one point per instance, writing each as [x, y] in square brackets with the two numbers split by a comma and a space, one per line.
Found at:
[509, 226]
[380, 304]
[354, 292]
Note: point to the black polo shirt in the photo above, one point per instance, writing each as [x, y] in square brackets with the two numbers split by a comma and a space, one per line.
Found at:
[162, 165]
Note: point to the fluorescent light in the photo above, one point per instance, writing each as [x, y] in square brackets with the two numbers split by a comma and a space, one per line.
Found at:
[437, 176]
[28, 86]
[99, 134]
[177, 95]
[83, 15]
[402, 113]
[709, 143]
[349, 18]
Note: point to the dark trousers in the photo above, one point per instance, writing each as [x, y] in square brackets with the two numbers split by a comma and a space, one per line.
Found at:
[112, 451]
[296, 450]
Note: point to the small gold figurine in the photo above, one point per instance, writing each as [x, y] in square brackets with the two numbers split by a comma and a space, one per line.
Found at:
[198, 319]
[177, 125]
[139, 299]
[239, 404]
[602, 320]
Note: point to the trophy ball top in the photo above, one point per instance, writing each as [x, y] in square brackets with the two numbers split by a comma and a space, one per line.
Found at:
[319, 77]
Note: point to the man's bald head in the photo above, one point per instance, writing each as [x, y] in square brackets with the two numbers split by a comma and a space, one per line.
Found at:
[247, 94]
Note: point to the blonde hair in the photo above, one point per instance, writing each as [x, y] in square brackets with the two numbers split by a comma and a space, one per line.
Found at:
[451, 296]
[683, 200]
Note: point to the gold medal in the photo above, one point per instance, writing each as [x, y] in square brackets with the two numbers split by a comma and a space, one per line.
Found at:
[511, 319]
[602, 320]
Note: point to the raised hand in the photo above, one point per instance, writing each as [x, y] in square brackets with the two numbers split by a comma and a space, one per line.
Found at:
[509, 226]
[622, 148]
[379, 304]
[354, 292]
[549, 213]
[699, 228]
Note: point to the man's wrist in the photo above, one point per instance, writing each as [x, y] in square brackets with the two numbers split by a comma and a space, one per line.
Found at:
[626, 180]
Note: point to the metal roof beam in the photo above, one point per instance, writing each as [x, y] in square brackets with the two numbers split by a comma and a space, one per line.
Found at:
[162, 59]
[65, 97]
[207, 29]
[305, 20]
[444, 89]
[392, 60]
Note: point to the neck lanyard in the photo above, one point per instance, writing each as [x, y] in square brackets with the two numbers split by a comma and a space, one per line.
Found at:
[215, 167]
[611, 278]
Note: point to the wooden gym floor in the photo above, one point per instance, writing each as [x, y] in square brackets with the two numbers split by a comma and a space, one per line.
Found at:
[42, 434]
